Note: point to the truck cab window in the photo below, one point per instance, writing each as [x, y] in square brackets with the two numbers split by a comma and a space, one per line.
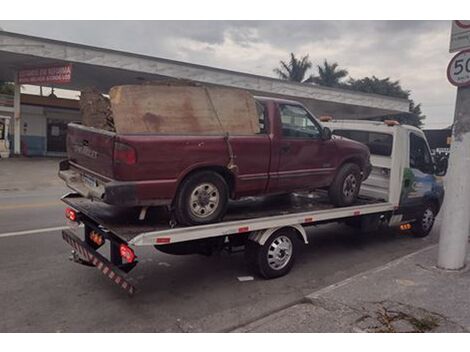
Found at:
[298, 123]
[261, 110]
[420, 157]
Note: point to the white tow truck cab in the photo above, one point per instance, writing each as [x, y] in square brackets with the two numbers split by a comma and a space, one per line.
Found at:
[402, 191]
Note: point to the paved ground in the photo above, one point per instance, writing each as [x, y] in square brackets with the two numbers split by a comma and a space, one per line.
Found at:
[406, 295]
[42, 290]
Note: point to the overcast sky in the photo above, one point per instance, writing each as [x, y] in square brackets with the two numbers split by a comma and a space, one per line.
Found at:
[413, 52]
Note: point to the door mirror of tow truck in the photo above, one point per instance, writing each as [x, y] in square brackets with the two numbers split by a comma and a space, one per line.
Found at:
[440, 169]
[326, 134]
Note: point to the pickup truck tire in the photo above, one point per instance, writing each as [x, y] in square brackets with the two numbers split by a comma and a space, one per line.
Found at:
[346, 184]
[423, 225]
[276, 257]
[202, 199]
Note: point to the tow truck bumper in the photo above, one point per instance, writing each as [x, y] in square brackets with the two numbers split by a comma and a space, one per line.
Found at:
[84, 254]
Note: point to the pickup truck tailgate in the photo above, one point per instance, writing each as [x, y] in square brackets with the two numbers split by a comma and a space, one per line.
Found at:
[91, 149]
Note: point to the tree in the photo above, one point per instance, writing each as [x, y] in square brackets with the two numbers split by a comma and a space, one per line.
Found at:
[379, 86]
[387, 87]
[7, 88]
[329, 75]
[295, 69]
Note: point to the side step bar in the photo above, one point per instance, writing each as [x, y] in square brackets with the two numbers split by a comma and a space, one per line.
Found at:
[88, 256]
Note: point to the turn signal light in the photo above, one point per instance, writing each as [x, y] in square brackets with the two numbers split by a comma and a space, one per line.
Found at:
[71, 214]
[404, 227]
[391, 122]
[96, 238]
[127, 253]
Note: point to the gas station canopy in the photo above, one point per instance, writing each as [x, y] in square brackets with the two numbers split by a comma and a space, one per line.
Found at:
[104, 68]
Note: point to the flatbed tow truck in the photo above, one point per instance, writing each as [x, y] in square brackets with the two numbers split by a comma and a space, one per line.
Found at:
[402, 191]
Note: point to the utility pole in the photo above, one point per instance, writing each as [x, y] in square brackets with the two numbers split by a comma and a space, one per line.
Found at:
[17, 117]
[456, 209]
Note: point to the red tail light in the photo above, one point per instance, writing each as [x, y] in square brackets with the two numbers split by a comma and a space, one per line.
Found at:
[71, 214]
[127, 253]
[124, 153]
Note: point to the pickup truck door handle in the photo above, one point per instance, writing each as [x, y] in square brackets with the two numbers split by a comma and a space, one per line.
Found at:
[285, 148]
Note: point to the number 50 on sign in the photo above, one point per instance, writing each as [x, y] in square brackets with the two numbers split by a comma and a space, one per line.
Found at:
[458, 71]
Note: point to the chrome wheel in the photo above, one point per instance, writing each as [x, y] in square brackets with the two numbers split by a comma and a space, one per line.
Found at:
[280, 252]
[427, 219]
[349, 187]
[204, 200]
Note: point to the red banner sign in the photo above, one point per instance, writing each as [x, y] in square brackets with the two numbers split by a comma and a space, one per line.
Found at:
[45, 75]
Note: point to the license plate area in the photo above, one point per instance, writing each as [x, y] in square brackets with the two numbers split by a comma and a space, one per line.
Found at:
[89, 181]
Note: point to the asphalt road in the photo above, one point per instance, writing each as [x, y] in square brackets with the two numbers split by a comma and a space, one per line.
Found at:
[42, 291]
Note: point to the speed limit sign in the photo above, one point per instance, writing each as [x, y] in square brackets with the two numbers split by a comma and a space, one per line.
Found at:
[458, 71]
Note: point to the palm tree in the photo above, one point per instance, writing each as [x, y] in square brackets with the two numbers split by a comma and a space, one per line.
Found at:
[329, 75]
[295, 70]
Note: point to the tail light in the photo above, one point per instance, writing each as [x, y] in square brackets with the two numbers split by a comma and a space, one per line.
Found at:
[126, 253]
[124, 153]
[71, 214]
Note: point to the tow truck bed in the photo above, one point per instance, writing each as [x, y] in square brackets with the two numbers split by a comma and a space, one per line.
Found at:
[243, 216]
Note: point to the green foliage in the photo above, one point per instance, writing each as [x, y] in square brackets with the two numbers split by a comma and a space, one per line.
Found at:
[295, 69]
[390, 88]
[379, 86]
[329, 75]
[7, 88]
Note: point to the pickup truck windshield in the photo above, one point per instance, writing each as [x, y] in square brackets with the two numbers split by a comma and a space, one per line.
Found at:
[378, 143]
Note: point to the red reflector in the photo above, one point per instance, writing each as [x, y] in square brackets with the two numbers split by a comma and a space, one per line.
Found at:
[124, 153]
[243, 229]
[127, 253]
[70, 214]
[308, 219]
[357, 212]
[163, 240]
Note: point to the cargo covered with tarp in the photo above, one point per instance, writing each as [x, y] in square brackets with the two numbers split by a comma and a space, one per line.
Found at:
[181, 108]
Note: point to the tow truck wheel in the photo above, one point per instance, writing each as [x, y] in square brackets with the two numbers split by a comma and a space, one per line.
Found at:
[276, 257]
[201, 199]
[345, 187]
[423, 225]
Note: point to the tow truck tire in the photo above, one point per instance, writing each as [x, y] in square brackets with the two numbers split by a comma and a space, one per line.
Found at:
[202, 199]
[345, 187]
[276, 257]
[423, 226]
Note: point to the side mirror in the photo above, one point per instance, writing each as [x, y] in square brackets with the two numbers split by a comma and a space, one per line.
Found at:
[440, 164]
[326, 134]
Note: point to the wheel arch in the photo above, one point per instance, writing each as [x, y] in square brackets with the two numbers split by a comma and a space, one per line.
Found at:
[261, 236]
[227, 175]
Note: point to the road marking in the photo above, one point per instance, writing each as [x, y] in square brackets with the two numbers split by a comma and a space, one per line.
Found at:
[30, 232]
[30, 205]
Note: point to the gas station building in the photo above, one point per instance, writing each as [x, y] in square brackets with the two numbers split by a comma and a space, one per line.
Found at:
[35, 125]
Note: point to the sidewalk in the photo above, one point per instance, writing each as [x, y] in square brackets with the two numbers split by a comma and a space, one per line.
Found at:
[29, 174]
[406, 295]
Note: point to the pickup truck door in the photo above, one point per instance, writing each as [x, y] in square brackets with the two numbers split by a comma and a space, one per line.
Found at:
[305, 161]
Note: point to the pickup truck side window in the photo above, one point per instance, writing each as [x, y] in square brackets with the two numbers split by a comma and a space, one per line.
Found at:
[420, 157]
[263, 121]
[297, 122]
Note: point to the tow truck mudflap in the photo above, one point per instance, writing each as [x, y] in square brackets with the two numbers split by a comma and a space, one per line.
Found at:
[88, 256]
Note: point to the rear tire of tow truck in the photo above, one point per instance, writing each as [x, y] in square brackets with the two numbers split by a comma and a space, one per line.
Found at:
[276, 257]
[346, 185]
[202, 199]
[423, 226]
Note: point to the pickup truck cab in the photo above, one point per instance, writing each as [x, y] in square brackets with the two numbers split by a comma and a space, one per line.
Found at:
[198, 174]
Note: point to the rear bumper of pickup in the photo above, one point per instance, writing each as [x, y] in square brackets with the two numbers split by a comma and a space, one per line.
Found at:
[127, 194]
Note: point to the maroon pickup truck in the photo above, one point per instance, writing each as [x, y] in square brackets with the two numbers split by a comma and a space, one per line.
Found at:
[198, 174]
